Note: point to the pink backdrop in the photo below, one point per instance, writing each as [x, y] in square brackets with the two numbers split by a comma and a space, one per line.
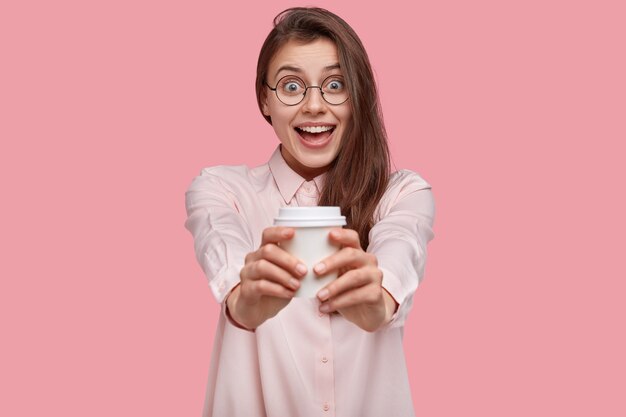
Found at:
[514, 111]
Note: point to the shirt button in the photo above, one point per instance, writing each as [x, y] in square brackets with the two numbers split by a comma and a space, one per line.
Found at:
[326, 407]
[320, 314]
[324, 359]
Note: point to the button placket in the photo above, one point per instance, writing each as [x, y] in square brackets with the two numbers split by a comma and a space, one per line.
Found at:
[324, 370]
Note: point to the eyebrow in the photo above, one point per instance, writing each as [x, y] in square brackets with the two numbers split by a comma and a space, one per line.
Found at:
[298, 70]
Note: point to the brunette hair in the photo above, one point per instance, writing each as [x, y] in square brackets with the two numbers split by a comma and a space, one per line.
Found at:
[359, 175]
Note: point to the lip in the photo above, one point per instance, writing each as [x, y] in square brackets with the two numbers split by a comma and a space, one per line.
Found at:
[315, 124]
[316, 145]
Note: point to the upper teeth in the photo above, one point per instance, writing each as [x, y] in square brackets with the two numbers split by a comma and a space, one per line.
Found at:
[315, 129]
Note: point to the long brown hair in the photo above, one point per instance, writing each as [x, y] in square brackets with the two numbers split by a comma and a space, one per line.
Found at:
[359, 175]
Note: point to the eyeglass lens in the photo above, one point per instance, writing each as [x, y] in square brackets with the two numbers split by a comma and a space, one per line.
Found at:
[291, 90]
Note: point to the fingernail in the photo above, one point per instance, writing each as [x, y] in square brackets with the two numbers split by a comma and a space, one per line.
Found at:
[320, 268]
[301, 269]
[294, 283]
[286, 232]
[324, 308]
[335, 233]
[323, 294]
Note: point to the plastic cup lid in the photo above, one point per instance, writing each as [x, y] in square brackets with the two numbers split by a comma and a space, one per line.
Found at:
[319, 216]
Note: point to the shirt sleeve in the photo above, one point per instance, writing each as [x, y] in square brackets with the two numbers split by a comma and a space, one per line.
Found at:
[222, 237]
[400, 237]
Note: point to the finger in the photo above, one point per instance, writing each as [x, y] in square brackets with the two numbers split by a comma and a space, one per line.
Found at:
[345, 237]
[263, 287]
[265, 270]
[355, 278]
[368, 294]
[276, 234]
[347, 257]
[283, 259]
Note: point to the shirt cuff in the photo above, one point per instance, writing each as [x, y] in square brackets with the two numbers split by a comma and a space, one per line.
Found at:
[225, 281]
[393, 286]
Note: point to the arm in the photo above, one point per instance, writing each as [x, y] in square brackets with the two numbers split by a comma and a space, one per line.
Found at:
[399, 242]
[376, 287]
[254, 284]
[222, 237]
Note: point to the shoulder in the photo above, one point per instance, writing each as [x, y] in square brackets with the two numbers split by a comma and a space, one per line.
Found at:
[230, 177]
[225, 173]
[406, 180]
[406, 190]
[224, 184]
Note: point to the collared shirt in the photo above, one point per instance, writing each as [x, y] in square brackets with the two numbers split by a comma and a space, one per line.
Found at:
[301, 362]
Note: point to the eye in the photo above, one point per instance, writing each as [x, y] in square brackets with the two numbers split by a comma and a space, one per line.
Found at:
[291, 86]
[334, 85]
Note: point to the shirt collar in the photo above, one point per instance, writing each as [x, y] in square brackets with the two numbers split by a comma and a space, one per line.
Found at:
[287, 180]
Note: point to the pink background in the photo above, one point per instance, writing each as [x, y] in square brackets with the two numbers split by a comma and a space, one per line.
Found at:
[514, 111]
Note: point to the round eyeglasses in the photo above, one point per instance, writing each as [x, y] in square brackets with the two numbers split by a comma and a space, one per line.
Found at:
[291, 90]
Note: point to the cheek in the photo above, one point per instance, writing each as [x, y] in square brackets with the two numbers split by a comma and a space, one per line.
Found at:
[281, 125]
[281, 119]
[344, 115]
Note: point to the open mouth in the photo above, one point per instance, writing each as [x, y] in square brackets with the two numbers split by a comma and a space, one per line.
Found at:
[315, 136]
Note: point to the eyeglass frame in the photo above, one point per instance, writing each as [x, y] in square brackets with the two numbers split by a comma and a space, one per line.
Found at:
[306, 88]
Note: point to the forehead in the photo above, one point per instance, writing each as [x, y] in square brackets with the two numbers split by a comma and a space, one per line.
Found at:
[310, 58]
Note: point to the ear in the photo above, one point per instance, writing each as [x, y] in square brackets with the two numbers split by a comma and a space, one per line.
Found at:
[264, 106]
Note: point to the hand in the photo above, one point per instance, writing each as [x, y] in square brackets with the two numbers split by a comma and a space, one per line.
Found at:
[269, 280]
[357, 293]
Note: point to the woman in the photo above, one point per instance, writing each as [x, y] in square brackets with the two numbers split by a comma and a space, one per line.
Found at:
[339, 354]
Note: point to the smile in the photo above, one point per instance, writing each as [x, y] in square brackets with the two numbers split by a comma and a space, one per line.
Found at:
[315, 129]
[315, 137]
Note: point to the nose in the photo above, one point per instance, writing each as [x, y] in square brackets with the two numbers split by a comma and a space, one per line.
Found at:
[313, 101]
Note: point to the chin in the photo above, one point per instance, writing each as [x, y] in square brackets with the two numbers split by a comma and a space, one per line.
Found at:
[316, 159]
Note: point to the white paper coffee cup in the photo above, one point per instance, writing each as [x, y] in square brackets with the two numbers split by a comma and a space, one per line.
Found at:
[311, 242]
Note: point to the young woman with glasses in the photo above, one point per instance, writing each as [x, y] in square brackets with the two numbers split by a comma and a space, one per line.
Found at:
[339, 354]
